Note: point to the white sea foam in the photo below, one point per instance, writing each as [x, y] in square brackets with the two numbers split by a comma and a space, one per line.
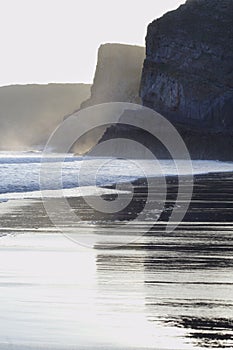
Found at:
[20, 172]
[69, 193]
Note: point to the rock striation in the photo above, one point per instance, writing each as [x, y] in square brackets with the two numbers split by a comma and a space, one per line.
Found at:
[188, 74]
[188, 71]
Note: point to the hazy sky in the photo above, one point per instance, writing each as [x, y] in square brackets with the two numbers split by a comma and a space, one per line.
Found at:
[57, 40]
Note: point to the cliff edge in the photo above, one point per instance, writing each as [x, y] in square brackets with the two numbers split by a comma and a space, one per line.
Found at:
[118, 74]
[188, 70]
[188, 78]
[117, 79]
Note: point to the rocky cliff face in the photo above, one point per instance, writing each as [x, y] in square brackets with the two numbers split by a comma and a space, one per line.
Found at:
[117, 79]
[30, 113]
[188, 78]
[118, 74]
[188, 74]
[188, 71]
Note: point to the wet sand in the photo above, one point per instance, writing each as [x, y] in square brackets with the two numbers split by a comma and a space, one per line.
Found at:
[173, 290]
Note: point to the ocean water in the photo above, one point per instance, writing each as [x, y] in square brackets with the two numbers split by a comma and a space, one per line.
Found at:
[20, 172]
[161, 291]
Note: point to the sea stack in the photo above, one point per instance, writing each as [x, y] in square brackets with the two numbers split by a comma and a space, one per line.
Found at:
[117, 79]
[118, 74]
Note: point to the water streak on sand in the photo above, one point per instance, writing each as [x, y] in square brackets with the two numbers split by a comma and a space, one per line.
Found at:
[160, 291]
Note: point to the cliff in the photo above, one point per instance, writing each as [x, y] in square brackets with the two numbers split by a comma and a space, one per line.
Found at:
[30, 113]
[188, 71]
[117, 79]
[188, 74]
[118, 74]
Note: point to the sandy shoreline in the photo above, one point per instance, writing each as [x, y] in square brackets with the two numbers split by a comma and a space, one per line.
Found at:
[212, 201]
[175, 288]
[51, 347]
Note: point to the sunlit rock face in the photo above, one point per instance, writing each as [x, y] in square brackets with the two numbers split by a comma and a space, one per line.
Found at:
[30, 113]
[118, 74]
[117, 79]
[188, 74]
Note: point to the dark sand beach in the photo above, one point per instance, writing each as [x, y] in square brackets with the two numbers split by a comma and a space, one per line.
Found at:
[161, 290]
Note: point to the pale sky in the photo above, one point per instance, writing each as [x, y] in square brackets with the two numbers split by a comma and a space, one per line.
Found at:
[46, 41]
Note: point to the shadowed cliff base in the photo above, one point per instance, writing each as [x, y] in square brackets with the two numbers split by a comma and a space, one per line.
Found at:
[203, 145]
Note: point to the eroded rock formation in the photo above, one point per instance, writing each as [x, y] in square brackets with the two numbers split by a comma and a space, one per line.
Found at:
[188, 77]
[118, 74]
[117, 79]
[188, 71]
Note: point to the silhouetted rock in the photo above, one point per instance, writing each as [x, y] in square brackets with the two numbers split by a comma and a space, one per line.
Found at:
[188, 71]
[188, 74]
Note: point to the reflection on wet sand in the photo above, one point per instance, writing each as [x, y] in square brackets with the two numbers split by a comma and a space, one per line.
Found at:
[179, 283]
[206, 332]
[188, 274]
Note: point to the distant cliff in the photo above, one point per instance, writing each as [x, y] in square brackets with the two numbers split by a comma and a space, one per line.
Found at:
[30, 113]
[117, 79]
[118, 74]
